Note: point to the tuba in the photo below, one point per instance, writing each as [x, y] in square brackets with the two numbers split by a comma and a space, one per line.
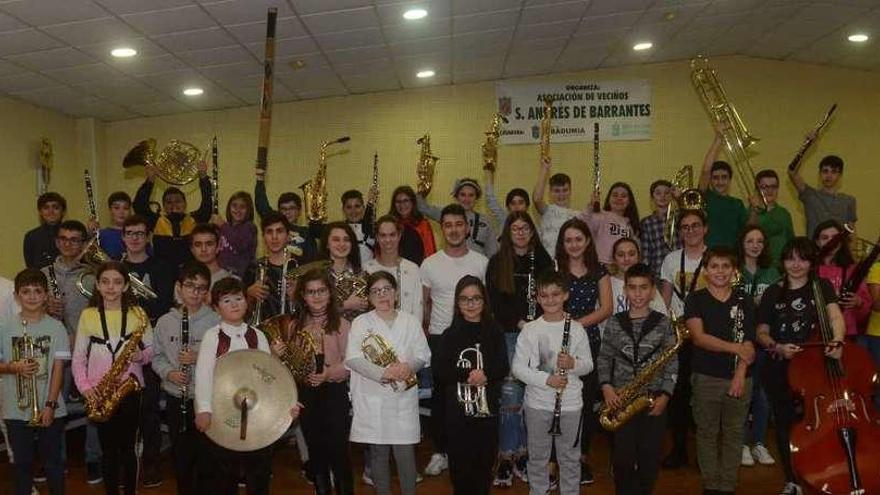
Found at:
[737, 138]
[109, 392]
[472, 397]
[93, 257]
[490, 147]
[177, 163]
[633, 397]
[425, 166]
[315, 190]
[378, 351]
[28, 349]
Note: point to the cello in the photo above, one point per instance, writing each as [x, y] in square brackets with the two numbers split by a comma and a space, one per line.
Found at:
[834, 447]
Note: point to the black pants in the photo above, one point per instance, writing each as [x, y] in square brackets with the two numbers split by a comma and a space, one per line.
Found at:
[472, 447]
[636, 454]
[222, 469]
[774, 376]
[326, 423]
[26, 441]
[590, 393]
[438, 408]
[150, 419]
[184, 444]
[680, 405]
[118, 436]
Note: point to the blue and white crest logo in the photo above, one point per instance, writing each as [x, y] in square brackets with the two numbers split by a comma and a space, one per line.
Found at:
[504, 105]
[536, 132]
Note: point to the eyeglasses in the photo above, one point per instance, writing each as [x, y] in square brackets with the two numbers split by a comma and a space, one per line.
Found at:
[691, 227]
[525, 229]
[470, 301]
[69, 240]
[137, 234]
[381, 291]
[768, 187]
[198, 288]
[323, 291]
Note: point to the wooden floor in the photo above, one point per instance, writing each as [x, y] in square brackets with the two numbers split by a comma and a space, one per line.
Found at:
[288, 480]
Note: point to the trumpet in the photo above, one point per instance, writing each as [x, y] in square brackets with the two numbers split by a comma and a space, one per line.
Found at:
[262, 269]
[472, 397]
[26, 348]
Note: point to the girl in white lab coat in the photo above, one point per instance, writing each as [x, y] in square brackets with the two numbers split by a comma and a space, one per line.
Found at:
[386, 413]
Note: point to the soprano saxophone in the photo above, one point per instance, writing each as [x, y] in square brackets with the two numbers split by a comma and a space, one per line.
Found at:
[109, 392]
[633, 397]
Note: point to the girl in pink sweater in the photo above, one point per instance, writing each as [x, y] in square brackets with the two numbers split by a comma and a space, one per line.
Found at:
[836, 266]
[105, 328]
[618, 218]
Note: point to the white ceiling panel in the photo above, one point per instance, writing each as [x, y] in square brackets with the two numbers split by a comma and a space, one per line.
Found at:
[348, 39]
[479, 64]
[605, 7]
[392, 13]
[144, 47]
[51, 59]
[561, 29]
[341, 20]
[163, 107]
[26, 81]
[575, 59]
[103, 30]
[121, 7]
[255, 32]
[364, 67]
[97, 108]
[84, 73]
[475, 76]
[242, 69]
[26, 40]
[150, 65]
[405, 32]
[195, 40]
[355, 55]
[417, 47]
[482, 42]
[460, 7]
[370, 82]
[539, 14]
[8, 23]
[488, 21]
[217, 56]
[285, 48]
[591, 24]
[241, 11]
[170, 20]
[304, 7]
[9, 69]
[42, 13]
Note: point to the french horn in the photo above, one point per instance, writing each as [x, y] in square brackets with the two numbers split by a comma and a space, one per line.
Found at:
[177, 163]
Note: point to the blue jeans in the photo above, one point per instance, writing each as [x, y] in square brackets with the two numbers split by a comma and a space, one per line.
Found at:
[512, 432]
[26, 440]
[760, 405]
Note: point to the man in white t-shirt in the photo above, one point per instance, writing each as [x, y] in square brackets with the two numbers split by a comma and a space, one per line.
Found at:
[557, 212]
[681, 274]
[440, 273]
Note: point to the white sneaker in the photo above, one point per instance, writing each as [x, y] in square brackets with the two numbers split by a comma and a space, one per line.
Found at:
[366, 478]
[438, 463]
[747, 459]
[762, 455]
[791, 489]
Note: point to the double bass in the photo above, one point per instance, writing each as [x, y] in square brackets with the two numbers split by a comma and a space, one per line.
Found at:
[834, 447]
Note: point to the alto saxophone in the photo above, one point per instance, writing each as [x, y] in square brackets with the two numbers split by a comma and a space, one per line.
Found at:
[109, 392]
[490, 147]
[315, 190]
[425, 167]
[633, 397]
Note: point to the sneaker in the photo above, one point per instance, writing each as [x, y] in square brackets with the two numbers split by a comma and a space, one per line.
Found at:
[152, 477]
[587, 474]
[791, 489]
[307, 472]
[93, 473]
[419, 478]
[438, 463]
[762, 455]
[504, 475]
[40, 475]
[367, 478]
[521, 468]
[747, 459]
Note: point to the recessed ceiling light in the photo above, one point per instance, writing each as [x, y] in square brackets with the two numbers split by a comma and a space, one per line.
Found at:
[642, 46]
[193, 91]
[423, 74]
[413, 14]
[123, 52]
[858, 38]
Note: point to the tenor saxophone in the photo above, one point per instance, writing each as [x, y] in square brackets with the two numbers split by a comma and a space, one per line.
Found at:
[633, 397]
[112, 388]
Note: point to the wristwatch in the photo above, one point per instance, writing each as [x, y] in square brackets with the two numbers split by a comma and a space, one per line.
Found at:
[52, 404]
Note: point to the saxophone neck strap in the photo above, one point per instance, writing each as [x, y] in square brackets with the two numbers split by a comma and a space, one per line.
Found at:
[122, 330]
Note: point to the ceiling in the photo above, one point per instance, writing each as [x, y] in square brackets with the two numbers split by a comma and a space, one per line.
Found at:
[56, 53]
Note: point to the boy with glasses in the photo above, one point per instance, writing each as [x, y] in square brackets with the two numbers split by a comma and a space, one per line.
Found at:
[774, 220]
[193, 284]
[39, 243]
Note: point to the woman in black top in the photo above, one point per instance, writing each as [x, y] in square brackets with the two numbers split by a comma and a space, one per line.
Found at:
[520, 258]
[786, 318]
[473, 441]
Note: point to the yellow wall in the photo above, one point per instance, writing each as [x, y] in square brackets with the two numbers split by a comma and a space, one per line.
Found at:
[779, 101]
[21, 128]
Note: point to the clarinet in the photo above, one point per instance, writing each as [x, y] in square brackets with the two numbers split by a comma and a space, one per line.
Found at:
[596, 169]
[184, 368]
[90, 196]
[555, 428]
[215, 177]
[531, 288]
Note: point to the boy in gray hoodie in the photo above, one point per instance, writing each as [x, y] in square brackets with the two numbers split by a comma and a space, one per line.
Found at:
[177, 336]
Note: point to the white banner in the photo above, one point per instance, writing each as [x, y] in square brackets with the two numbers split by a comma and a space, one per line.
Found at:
[622, 108]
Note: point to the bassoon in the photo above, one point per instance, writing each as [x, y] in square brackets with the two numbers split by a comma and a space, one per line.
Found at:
[266, 98]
